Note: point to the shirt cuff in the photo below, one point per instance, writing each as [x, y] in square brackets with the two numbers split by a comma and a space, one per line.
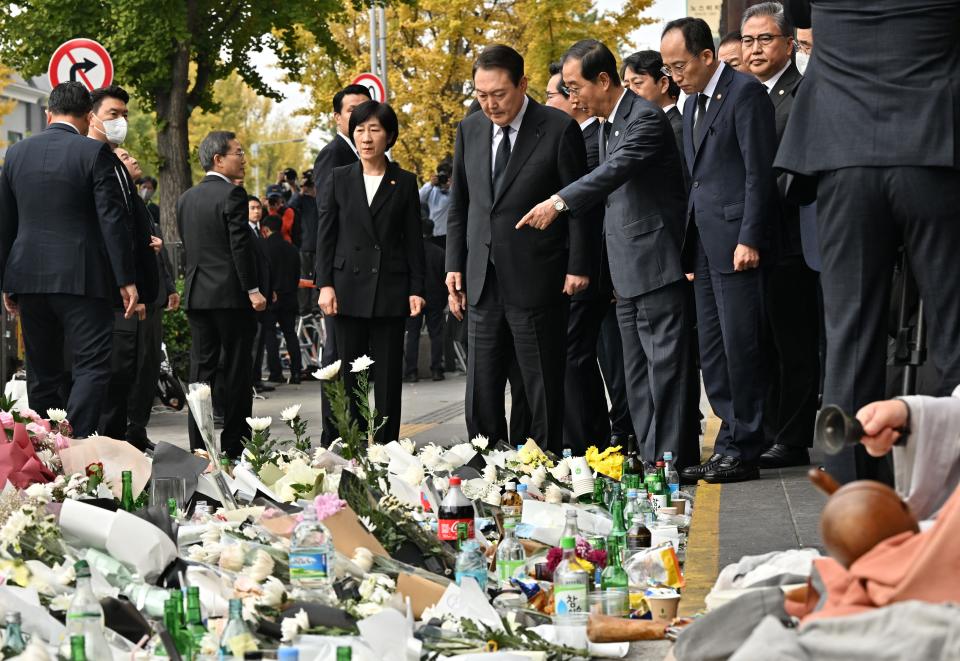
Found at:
[255, 290]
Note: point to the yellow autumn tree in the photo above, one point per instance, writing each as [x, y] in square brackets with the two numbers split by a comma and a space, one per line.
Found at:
[431, 48]
[6, 105]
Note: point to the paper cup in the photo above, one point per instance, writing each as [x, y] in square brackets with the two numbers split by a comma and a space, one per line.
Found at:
[579, 469]
[663, 608]
[583, 487]
[680, 504]
[668, 510]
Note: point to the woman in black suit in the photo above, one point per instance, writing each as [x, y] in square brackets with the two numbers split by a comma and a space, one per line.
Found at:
[370, 262]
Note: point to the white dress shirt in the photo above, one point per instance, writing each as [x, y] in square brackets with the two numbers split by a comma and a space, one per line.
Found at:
[613, 113]
[513, 127]
[371, 182]
[709, 89]
[772, 82]
[352, 146]
[587, 122]
[218, 174]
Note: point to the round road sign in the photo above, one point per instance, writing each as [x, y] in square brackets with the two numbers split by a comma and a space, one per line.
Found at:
[81, 60]
[372, 83]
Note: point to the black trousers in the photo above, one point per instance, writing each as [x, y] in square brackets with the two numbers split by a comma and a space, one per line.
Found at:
[87, 326]
[381, 338]
[863, 215]
[434, 320]
[585, 419]
[610, 357]
[284, 314]
[307, 297]
[538, 336]
[329, 355]
[657, 362]
[730, 326]
[231, 332]
[793, 353]
[123, 375]
[144, 389]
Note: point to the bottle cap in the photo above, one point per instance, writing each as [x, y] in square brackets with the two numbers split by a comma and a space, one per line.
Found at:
[660, 464]
[509, 523]
[568, 543]
[81, 568]
[454, 481]
[521, 487]
[510, 486]
[288, 654]
[668, 456]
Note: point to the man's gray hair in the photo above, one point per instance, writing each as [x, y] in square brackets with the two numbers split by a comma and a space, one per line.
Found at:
[216, 142]
[772, 9]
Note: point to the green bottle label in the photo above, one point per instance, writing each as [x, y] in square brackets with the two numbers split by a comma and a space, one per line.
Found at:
[507, 569]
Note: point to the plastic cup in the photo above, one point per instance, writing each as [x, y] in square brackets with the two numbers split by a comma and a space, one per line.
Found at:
[610, 602]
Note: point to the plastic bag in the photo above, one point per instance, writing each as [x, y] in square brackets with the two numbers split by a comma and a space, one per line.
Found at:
[656, 566]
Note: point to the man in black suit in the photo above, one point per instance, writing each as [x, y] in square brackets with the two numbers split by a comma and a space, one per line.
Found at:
[284, 261]
[729, 138]
[221, 290]
[306, 207]
[435, 295]
[642, 74]
[793, 346]
[339, 151]
[585, 419]
[63, 255]
[878, 131]
[639, 180]
[516, 282]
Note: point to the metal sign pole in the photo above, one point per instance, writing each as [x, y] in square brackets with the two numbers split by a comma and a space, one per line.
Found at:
[373, 41]
[383, 52]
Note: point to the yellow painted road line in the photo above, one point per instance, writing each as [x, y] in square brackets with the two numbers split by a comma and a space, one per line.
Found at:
[703, 543]
[411, 430]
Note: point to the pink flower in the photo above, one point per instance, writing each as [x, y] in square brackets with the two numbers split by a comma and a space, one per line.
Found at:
[6, 419]
[328, 504]
[36, 430]
[30, 413]
[60, 441]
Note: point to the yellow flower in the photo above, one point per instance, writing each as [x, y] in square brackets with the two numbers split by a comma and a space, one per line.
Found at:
[585, 565]
[609, 462]
[531, 454]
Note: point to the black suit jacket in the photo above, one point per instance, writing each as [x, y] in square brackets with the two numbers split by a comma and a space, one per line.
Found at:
[733, 195]
[782, 95]
[531, 264]
[220, 257]
[372, 255]
[642, 184]
[306, 208]
[64, 221]
[335, 154]
[870, 106]
[600, 276]
[284, 260]
[434, 286]
[676, 123]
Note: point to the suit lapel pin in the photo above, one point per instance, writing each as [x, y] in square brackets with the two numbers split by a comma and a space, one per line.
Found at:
[393, 183]
[719, 96]
[780, 92]
[616, 133]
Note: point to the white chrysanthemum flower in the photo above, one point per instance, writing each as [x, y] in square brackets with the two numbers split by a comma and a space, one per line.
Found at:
[413, 475]
[367, 609]
[61, 602]
[290, 627]
[290, 413]
[442, 484]
[378, 454]
[362, 363]
[431, 456]
[561, 470]
[260, 424]
[493, 496]
[480, 442]
[272, 592]
[231, 558]
[553, 494]
[367, 523]
[262, 566]
[39, 492]
[490, 473]
[407, 445]
[56, 415]
[539, 476]
[329, 372]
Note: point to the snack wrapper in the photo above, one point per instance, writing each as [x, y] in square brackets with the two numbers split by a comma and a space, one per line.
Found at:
[655, 567]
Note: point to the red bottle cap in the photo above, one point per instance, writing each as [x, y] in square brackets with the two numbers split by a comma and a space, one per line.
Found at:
[661, 463]
[454, 481]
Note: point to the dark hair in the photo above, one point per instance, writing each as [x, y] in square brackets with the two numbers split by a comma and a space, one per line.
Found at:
[555, 69]
[147, 179]
[697, 36]
[595, 58]
[349, 89]
[503, 57]
[273, 223]
[113, 92]
[216, 142]
[383, 113]
[649, 62]
[70, 99]
[254, 198]
[731, 37]
[772, 9]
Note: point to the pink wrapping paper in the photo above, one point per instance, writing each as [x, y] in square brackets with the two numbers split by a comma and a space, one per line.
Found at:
[19, 463]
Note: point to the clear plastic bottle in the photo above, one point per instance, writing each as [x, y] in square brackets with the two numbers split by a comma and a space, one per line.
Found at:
[511, 557]
[522, 490]
[311, 554]
[511, 504]
[236, 638]
[672, 476]
[471, 563]
[13, 641]
[85, 616]
[570, 527]
[570, 584]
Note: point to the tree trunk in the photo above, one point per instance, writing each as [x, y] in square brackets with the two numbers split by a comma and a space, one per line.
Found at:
[173, 143]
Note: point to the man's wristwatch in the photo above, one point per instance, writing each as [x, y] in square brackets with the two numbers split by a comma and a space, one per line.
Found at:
[558, 204]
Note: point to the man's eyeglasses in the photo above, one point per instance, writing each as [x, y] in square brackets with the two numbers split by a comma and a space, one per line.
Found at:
[763, 39]
[669, 71]
[239, 153]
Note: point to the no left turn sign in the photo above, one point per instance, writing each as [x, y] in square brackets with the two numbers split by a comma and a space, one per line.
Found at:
[81, 60]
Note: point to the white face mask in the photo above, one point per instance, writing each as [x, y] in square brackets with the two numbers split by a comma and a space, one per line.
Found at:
[114, 129]
[802, 61]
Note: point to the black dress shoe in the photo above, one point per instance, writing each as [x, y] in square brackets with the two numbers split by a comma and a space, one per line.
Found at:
[782, 456]
[260, 386]
[693, 474]
[438, 375]
[295, 379]
[731, 469]
[278, 378]
[411, 378]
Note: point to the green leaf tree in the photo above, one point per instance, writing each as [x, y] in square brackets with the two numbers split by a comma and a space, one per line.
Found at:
[171, 52]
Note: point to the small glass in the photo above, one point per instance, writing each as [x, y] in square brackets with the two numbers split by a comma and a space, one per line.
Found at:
[163, 489]
[613, 602]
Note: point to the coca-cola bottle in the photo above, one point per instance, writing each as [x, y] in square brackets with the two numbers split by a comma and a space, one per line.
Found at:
[454, 509]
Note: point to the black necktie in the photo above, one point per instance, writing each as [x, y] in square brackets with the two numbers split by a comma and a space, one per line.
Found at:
[604, 138]
[699, 122]
[500, 163]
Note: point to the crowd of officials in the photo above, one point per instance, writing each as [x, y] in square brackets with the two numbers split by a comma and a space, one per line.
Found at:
[728, 215]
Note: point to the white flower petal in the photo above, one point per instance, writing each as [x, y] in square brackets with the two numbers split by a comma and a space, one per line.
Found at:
[290, 413]
[259, 424]
[360, 364]
[329, 372]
